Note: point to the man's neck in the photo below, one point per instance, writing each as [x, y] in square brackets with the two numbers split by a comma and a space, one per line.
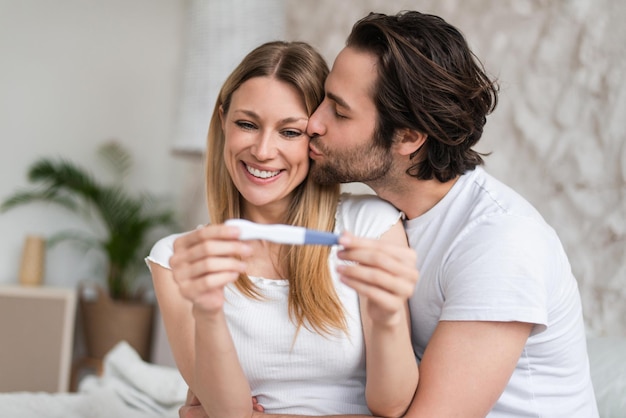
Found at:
[414, 197]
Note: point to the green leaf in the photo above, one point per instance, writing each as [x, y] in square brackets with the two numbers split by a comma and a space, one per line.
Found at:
[117, 157]
[127, 217]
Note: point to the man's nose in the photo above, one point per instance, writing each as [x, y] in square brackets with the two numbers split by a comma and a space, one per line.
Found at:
[315, 127]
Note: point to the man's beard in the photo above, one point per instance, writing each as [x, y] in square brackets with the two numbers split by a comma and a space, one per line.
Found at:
[366, 164]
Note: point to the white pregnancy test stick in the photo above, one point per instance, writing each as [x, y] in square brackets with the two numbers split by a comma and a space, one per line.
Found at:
[282, 234]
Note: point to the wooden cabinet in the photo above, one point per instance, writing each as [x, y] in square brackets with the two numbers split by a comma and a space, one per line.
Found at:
[36, 338]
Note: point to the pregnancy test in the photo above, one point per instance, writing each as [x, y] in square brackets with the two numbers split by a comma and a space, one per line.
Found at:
[282, 234]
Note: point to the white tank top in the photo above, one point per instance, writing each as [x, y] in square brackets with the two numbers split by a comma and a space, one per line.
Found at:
[313, 374]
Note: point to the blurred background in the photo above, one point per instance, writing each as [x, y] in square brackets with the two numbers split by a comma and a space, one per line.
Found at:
[77, 73]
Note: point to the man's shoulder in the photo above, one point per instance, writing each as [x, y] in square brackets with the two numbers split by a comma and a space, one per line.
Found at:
[486, 195]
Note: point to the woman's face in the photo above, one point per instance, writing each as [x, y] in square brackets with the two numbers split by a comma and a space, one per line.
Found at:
[266, 148]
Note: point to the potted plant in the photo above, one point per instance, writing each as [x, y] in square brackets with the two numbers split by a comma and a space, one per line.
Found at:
[127, 220]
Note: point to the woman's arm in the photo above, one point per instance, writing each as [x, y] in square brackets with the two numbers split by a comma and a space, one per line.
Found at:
[385, 276]
[177, 319]
[191, 298]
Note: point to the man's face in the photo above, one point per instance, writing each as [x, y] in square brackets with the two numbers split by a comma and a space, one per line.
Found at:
[343, 127]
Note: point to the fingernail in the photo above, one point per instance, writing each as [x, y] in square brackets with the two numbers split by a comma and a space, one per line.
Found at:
[344, 240]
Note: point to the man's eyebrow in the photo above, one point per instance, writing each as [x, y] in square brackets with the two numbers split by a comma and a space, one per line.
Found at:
[338, 100]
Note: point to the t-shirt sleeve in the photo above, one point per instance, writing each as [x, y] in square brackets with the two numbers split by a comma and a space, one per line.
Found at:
[162, 251]
[365, 215]
[500, 270]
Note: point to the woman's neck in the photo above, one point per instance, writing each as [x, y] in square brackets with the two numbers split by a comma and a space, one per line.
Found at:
[265, 261]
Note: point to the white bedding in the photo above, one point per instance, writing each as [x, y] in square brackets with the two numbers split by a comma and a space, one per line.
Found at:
[132, 388]
[128, 387]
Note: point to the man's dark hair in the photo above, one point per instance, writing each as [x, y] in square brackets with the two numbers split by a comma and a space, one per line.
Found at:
[429, 81]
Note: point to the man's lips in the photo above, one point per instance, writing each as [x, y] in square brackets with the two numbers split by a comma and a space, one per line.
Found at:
[313, 152]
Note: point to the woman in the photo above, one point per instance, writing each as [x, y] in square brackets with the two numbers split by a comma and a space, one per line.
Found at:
[289, 325]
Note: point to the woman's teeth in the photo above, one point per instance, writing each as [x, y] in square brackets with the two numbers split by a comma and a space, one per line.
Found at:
[260, 173]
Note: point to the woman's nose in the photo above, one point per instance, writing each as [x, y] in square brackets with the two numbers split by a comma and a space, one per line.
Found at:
[264, 148]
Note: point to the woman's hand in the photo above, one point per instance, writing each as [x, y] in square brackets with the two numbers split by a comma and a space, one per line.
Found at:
[383, 273]
[206, 260]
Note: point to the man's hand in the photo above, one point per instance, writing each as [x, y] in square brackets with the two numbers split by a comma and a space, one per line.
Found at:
[193, 409]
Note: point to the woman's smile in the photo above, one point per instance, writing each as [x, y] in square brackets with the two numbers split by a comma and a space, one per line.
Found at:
[261, 173]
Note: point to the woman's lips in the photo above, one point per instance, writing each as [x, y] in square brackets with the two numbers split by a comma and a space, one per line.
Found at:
[261, 173]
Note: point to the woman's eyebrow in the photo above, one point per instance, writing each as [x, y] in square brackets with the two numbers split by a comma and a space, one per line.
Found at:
[254, 115]
[294, 119]
[246, 112]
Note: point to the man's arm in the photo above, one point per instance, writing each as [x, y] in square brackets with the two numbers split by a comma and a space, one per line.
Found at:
[466, 366]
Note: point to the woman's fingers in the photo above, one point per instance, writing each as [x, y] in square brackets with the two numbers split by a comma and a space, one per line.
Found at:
[379, 264]
[382, 273]
[193, 289]
[370, 281]
[212, 240]
[206, 266]
[376, 252]
[206, 260]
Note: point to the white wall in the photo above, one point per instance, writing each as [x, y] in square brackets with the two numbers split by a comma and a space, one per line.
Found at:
[73, 74]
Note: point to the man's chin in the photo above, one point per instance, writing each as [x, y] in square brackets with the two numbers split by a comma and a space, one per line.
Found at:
[323, 175]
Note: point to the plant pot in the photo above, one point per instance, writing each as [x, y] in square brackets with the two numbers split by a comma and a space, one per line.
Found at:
[107, 321]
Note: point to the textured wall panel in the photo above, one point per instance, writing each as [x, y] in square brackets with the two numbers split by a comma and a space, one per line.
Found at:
[558, 135]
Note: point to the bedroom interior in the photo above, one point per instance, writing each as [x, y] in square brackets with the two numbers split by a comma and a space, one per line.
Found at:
[144, 72]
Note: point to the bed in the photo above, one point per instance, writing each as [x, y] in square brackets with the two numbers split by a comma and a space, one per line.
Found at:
[132, 388]
[128, 387]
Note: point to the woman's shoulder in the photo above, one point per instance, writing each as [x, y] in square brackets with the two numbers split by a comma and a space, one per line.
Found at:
[163, 249]
[365, 215]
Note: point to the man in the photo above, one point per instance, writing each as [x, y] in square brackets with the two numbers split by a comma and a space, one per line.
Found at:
[496, 316]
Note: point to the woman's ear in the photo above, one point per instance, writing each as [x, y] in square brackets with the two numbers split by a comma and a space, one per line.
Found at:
[409, 141]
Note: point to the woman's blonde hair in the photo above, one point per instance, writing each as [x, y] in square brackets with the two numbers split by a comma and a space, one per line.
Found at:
[313, 301]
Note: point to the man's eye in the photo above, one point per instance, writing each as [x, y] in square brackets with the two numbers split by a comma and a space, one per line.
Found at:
[245, 125]
[337, 114]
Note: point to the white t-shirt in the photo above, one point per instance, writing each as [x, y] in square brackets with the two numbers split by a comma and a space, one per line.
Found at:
[485, 254]
[315, 375]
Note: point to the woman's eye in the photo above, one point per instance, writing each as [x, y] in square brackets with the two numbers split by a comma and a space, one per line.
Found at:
[290, 133]
[245, 125]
